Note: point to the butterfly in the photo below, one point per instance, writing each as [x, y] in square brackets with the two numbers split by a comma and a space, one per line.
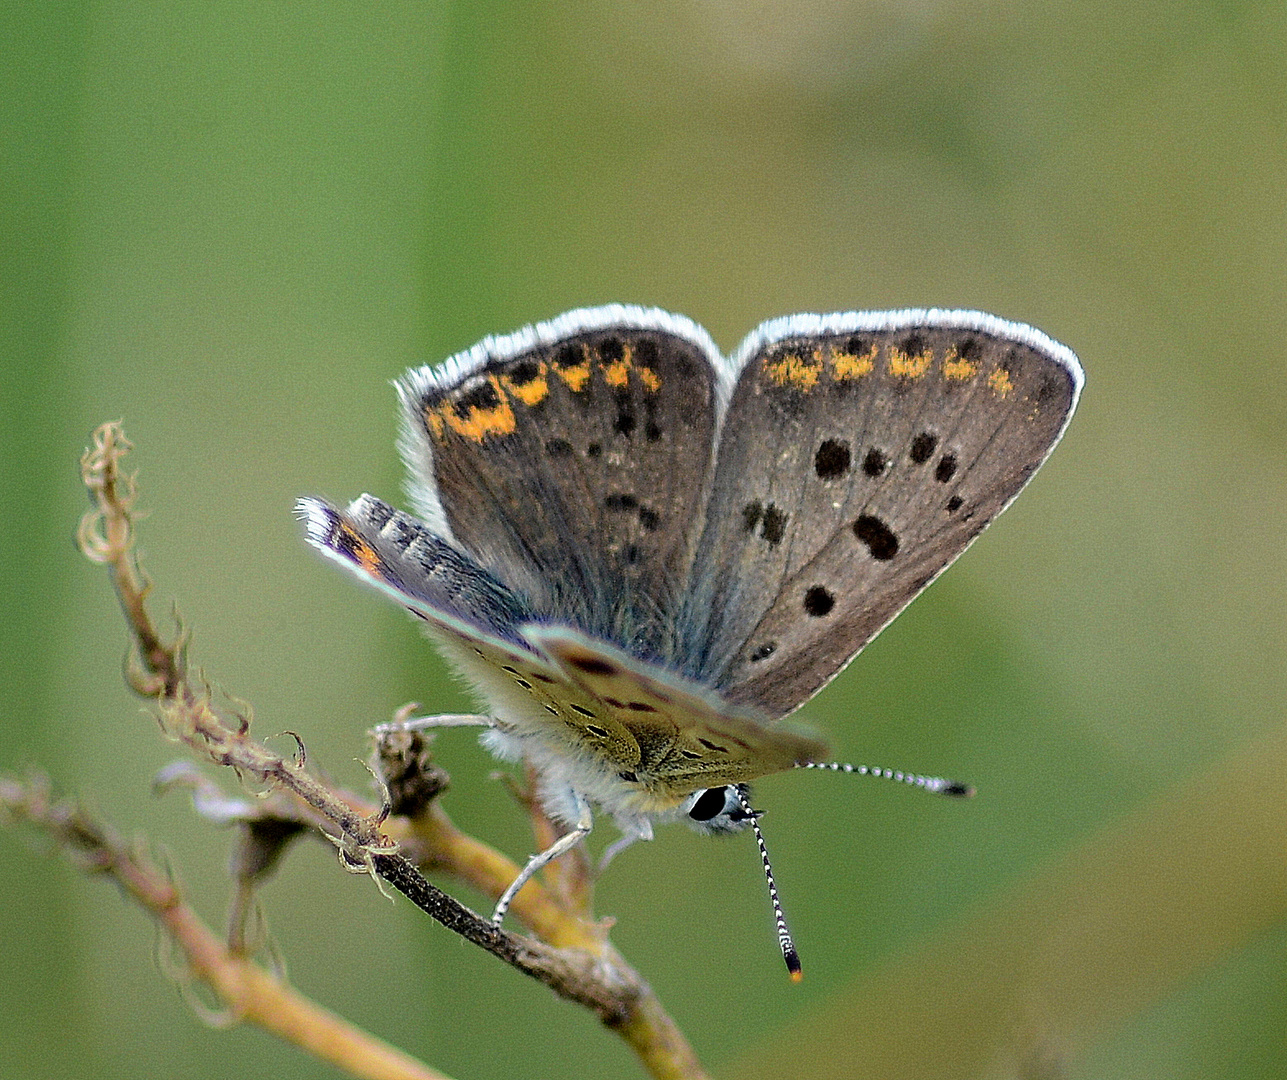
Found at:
[643, 555]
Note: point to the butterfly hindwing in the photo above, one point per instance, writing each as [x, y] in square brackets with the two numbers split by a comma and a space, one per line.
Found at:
[859, 457]
[688, 737]
[572, 460]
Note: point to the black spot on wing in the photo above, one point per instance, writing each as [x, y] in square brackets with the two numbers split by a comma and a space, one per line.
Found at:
[922, 447]
[592, 665]
[818, 601]
[878, 538]
[831, 462]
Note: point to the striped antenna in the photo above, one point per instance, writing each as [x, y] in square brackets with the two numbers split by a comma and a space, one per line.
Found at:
[789, 954]
[936, 785]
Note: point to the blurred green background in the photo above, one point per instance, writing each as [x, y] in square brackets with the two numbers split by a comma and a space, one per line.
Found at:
[231, 224]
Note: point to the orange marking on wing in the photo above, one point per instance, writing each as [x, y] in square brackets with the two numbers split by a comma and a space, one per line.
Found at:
[957, 368]
[909, 365]
[617, 373]
[790, 369]
[575, 375]
[480, 423]
[530, 393]
[360, 551]
[846, 365]
[1000, 382]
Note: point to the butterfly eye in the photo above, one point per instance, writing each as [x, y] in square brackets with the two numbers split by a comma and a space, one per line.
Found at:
[710, 802]
[718, 809]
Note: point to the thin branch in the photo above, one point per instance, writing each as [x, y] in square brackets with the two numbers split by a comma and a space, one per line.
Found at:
[246, 990]
[574, 957]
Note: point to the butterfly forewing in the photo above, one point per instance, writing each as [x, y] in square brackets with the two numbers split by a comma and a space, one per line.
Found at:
[405, 560]
[573, 462]
[856, 461]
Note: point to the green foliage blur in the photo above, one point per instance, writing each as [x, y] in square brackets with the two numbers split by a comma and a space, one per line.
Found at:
[232, 224]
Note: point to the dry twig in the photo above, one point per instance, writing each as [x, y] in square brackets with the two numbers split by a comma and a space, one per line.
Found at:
[245, 990]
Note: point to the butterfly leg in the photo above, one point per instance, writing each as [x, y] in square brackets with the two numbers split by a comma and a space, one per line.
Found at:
[569, 840]
[427, 723]
[642, 832]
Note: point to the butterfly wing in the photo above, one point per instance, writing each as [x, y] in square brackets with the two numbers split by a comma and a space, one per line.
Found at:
[402, 558]
[860, 455]
[475, 619]
[571, 460]
[688, 738]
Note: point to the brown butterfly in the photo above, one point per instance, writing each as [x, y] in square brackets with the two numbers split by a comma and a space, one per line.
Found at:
[644, 555]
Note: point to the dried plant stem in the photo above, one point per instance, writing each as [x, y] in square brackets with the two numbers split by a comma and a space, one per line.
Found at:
[573, 955]
[246, 991]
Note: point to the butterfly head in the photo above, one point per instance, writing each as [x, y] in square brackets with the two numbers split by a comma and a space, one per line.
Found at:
[719, 809]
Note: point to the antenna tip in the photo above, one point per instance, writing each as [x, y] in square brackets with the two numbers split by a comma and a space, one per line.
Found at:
[956, 790]
[793, 965]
